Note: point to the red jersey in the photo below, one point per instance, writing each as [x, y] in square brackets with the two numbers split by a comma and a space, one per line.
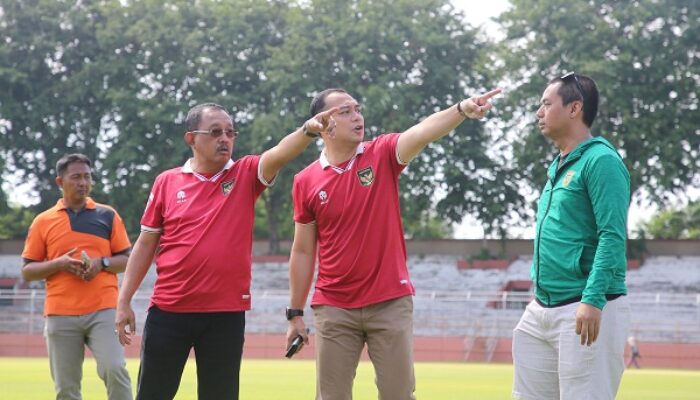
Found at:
[362, 253]
[206, 225]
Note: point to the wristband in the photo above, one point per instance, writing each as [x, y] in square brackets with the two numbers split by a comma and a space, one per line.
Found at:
[459, 109]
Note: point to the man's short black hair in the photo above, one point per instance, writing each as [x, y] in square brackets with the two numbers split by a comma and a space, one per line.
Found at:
[65, 161]
[318, 103]
[568, 91]
[194, 116]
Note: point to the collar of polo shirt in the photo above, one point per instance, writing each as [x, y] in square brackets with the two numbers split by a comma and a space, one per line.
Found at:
[324, 160]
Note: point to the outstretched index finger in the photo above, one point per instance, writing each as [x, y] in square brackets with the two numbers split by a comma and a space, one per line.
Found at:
[490, 94]
[71, 251]
[324, 115]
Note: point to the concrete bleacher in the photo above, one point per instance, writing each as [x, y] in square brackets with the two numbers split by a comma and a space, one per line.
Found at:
[658, 274]
[10, 265]
[428, 273]
[460, 308]
[666, 274]
[452, 301]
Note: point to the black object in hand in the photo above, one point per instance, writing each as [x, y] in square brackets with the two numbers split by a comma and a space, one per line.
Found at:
[295, 346]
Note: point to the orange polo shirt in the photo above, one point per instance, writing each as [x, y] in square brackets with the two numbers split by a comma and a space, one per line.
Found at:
[99, 231]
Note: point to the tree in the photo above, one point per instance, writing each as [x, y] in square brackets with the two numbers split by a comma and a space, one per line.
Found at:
[403, 60]
[114, 79]
[643, 55]
[53, 98]
[4, 207]
[15, 222]
[170, 56]
[676, 223]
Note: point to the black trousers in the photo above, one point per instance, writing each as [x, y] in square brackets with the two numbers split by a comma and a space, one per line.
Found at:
[217, 339]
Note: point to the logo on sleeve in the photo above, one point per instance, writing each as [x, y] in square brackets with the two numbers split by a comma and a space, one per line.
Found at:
[366, 176]
[227, 186]
[181, 197]
[568, 177]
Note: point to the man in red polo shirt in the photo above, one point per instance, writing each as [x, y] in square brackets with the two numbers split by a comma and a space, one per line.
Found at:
[81, 294]
[200, 219]
[347, 204]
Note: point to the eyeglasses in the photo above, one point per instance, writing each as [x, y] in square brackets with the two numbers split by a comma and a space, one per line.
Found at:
[572, 76]
[217, 132]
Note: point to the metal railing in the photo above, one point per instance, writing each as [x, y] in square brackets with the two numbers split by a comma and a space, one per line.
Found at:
[657, 317]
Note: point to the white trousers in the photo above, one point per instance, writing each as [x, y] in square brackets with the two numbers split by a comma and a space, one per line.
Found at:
[550, 363]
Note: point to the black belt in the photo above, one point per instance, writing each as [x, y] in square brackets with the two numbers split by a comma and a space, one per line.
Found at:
[575, 300]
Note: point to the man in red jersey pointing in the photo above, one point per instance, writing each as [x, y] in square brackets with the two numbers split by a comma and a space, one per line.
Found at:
[200, 219]
[346, 205]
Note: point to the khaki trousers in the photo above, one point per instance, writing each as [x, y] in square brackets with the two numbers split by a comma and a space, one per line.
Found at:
[341, 334]
[66, 338]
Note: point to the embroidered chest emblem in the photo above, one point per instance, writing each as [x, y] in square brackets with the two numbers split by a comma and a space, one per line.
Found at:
[227, 186]
[568, 177]
[323, 196]
[366, 176]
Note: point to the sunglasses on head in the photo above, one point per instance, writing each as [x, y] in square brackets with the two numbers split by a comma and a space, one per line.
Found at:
[571, 76]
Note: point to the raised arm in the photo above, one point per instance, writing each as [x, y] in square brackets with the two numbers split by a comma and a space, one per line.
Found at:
[302, 264]
[413, 141]
[136, 268]
[294, 143]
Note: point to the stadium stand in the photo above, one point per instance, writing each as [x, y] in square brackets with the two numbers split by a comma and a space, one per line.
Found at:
[460, 313]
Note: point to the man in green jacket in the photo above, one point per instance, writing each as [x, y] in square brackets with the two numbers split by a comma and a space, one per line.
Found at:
[570, 341]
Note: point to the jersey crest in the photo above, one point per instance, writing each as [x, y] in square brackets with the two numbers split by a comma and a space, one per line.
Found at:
[568, 177]
[366, 176]
[227, 186]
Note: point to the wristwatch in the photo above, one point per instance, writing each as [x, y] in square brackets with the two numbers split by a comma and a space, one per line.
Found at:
[294, 312]
[105, 263]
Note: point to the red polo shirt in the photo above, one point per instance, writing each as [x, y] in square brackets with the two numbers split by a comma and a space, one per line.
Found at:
[206, 226]
[362, 254]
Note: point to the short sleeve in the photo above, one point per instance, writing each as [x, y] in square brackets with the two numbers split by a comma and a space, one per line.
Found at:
[152, 219]
[35, 244]
[387, 145]
[302, 210]
[253, 165]
[119, 241]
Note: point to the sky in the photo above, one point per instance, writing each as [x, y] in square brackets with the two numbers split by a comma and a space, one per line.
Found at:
[478, 13]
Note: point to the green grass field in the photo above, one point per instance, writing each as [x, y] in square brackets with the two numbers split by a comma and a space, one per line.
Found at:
[29, 379]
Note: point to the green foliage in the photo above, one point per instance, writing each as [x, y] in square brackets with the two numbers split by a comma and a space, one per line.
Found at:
[4, 207]
[426, 227]
[15, 222]
[402, 60]
[643, 55]
[114, 80]
[54, 88]
[676, 223]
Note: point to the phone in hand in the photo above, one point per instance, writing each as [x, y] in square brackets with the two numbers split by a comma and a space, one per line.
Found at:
[295, 346]
[86, 260]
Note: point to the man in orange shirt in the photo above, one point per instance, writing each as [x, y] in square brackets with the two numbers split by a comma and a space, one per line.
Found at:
[78, 246]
